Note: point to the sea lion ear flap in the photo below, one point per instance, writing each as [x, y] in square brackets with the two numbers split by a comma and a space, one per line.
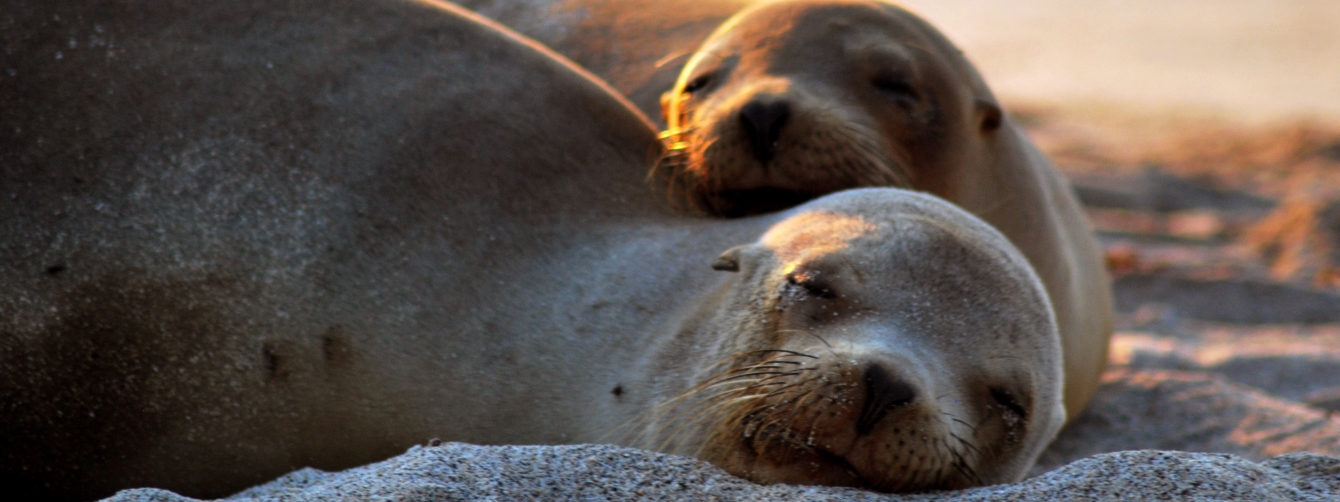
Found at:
[729, 261]
[989, 114]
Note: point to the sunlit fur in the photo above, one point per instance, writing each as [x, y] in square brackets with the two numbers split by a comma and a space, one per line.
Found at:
[825, 150]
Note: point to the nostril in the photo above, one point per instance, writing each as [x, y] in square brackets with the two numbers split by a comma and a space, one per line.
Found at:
[882, 392]
[763, 124]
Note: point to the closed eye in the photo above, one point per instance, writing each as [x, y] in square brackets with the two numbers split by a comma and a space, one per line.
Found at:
[812, 286]
[698, 83]
[896, 87]
[1009, 402]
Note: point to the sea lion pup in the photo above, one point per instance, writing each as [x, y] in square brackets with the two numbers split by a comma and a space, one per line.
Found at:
[793, 99]
[874, 338]
[251, 236]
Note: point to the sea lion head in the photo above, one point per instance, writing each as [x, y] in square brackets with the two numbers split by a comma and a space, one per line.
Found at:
[875, 338]
[790, 100]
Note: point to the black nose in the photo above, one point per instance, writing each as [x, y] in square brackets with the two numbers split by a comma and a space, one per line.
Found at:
[882, 393]
[763, 123]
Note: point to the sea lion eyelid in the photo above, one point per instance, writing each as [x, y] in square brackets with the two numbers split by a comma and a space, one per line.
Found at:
[698, 83]
[1009, 401]
[811, 284]
[896, 86]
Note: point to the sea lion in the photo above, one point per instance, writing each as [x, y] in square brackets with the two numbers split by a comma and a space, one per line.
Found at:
[834, 94]
[247, 237]
[875, 338]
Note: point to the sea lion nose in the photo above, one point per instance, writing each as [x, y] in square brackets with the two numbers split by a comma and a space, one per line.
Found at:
[763, 122]
[883, 391]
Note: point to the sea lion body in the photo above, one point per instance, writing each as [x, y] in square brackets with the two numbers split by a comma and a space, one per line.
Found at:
[638, 46]
[244, 238]
[240, 238]
[874, 95]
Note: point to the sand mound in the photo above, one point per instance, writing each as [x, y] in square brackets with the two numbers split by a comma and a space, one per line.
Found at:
[458, 471]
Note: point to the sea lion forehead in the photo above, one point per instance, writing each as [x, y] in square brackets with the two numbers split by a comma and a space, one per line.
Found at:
[816, 20]
[765, 23]
[788, 35]
[813, 234]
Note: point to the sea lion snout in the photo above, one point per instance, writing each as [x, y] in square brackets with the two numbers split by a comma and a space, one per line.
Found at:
[856, 417]
[883, 391]
[762, 120]
[864, 387]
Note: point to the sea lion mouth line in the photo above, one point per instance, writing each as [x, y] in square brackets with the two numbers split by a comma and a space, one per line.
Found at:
[822, 457]
[785, 173]
[841, 462]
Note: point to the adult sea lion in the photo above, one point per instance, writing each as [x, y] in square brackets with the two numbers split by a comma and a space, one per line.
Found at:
[246, 237]
[789, 100]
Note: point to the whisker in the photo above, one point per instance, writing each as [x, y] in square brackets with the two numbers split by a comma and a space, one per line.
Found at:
[966, 443]
[725, 397]
[805, 332]
[965, 424]
[736, 377]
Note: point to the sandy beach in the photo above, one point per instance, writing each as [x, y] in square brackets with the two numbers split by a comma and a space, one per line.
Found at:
[1245, 60]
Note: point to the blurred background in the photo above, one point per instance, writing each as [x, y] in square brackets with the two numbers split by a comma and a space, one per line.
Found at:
[1248, 60]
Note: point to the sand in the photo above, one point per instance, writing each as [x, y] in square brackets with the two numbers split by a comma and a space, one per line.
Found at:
[1252, 60]
[459, 471]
